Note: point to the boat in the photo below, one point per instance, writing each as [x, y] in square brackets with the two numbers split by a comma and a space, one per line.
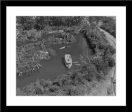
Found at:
[68, 61]
[63, 47]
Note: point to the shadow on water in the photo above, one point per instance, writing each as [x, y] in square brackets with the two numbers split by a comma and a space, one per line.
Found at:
[55, 66]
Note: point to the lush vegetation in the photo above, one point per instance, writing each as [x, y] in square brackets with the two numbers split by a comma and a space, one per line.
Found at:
[73, 83]
[106, 23]
[102, 50]
[43, 31]
[40, 23]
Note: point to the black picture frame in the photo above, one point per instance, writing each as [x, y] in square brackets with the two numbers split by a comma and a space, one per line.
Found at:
[3, 60]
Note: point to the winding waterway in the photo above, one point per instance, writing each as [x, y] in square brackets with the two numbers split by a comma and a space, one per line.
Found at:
[52, 68]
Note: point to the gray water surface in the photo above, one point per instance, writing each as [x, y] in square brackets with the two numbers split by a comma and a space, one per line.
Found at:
[52, 68]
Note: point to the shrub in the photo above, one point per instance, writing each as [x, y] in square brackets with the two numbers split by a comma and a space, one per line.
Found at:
[108, 23]
[27, 22]
[100, 47]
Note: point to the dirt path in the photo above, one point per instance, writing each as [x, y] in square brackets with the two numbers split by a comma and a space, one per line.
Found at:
[110, 38]
[112, 74]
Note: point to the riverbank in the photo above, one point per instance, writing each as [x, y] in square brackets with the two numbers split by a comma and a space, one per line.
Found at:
[53, 67]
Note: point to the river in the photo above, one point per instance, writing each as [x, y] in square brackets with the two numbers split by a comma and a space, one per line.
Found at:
[52, 68]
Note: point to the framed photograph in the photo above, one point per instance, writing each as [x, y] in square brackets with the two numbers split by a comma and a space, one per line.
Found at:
[65, 55]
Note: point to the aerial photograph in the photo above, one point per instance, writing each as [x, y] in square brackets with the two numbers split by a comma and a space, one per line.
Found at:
[65, 56]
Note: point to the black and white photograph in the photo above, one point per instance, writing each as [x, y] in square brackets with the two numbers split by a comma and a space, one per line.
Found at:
[66, 55]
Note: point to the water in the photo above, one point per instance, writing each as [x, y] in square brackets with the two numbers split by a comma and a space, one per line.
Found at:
[55, 66]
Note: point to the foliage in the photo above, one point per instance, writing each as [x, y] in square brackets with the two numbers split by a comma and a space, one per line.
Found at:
[106, 23]
[102, 50]
[26, 22]
[70, 84]
[39, 23]
[29, 56]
